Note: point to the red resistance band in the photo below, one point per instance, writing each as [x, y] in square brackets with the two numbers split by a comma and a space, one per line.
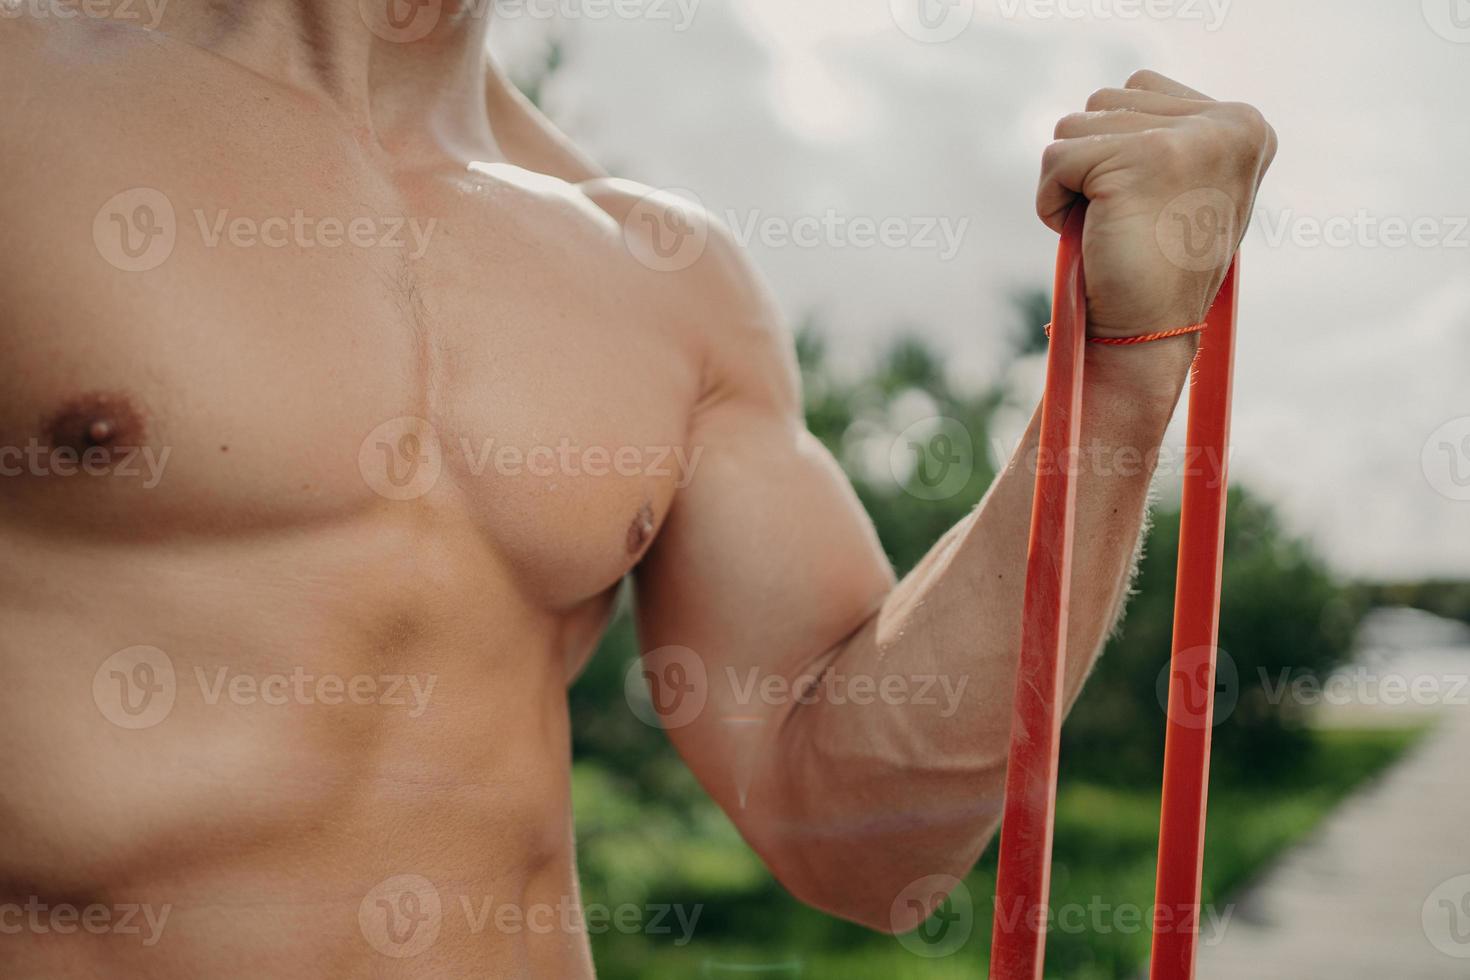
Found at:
[1023, 882]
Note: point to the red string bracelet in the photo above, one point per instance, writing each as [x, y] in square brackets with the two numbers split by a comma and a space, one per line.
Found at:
[1146, 338]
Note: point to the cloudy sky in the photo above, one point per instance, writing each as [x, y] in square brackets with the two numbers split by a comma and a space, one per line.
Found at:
[1353, 398]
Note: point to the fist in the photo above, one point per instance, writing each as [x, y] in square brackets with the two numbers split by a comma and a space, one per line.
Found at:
[1171, 176]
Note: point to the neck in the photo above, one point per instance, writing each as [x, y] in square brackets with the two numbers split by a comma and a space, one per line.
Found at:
[408, 71]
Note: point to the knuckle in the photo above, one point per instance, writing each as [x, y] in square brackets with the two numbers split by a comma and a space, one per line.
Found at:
[1101, 99]
[1070, 124]
[1251, 122]
[1168, 149]
[1248, 127]
[1251, 135]
[1051, 157]
[1163, 140]
[1142, 78]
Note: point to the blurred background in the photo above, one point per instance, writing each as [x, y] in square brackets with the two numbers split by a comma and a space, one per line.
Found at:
[878, 158]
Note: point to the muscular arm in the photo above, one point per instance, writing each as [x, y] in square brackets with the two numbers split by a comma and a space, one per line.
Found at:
[769, 572]
[768, 595]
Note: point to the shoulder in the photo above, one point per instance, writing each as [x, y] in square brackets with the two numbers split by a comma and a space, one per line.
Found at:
[59, 98]
[58, 48]
[65, 78]
[704, 279]
[24, 70]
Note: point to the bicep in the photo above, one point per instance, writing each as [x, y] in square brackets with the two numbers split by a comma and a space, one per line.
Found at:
[766, 562]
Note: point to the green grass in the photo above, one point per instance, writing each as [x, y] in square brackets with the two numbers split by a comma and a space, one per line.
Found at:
[1103, 873]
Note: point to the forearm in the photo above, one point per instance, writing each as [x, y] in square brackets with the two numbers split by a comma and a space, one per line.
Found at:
[914, 784]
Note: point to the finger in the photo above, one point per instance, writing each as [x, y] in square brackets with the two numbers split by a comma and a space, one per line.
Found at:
[1108, 121]
[1152, 81]
[1066, 168]
[1140, 100]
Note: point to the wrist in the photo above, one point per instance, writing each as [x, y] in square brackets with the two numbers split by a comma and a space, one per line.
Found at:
[1143, 378]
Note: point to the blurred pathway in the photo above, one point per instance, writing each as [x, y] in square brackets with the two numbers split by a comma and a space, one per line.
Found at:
[1371, 895]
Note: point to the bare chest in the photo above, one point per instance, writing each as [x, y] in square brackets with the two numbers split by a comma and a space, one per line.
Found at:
[259, 351]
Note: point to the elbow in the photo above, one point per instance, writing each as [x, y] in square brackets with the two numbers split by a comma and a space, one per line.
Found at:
[891, 908]
[886, 890]
[889, 842]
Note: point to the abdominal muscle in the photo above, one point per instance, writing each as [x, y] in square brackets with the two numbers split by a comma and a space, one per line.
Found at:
[362, 772]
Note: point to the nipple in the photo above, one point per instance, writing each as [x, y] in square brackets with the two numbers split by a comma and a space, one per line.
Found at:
[641, 530]
[95, 420]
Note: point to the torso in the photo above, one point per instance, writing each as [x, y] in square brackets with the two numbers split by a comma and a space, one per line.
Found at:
[274, 523]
